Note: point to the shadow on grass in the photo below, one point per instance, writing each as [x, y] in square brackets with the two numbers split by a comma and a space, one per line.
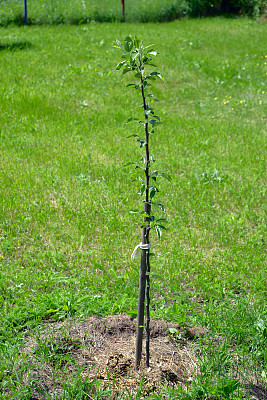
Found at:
[258, 392]
[60, 19]
[22, 45]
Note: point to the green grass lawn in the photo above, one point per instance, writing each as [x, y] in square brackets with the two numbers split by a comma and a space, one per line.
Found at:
[66, 231]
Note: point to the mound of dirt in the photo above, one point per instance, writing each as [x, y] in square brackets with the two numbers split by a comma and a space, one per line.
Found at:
[95, 357]
[103, 349]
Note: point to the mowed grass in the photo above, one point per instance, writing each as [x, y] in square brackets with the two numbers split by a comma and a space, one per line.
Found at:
[66, 231]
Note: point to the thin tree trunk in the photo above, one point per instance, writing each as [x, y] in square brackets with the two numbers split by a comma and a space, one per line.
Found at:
[141, 298]
[144, 253]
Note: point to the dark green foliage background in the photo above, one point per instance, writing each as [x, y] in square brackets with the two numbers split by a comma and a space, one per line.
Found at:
[83, 11]
[215, 7]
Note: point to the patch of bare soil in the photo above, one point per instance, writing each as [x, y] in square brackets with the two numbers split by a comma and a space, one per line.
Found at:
[104, 349]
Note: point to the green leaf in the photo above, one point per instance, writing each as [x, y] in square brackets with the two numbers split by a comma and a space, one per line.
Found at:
[173, 330]
[128, 44]
[150, 45]
[127, 164]
[126, 69]
[157, 74]
[154, 188]
[137, 42]
[166, 176]
[120, 65]
[133, 85]
[153, 98]
[155, 173]
[159, 231]
[142, 142]
[154, 75]
[150, 77]
[161, 207]
[154, 122]
[148, 62]
[133, 57]
[138, 178]
[143, 188]
[132, 119]
[145, 84]
[134, 135]
[162, 227]
[152, 193]
[146, 225]
[118, 44]
[143, 160]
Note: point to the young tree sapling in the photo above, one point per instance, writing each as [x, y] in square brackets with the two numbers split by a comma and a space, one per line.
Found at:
[136, 59]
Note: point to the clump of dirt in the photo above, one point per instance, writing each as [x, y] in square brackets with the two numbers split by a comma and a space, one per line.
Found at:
[103, 349]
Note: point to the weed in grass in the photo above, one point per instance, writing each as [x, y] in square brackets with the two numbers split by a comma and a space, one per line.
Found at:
[83, 389]
[54, 352]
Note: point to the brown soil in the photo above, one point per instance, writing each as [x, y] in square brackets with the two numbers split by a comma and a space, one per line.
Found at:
[104, 349]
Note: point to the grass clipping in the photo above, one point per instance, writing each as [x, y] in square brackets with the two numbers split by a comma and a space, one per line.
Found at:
[103, 350]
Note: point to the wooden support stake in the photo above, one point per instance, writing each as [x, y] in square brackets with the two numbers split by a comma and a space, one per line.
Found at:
[122, 11]
[25, 12]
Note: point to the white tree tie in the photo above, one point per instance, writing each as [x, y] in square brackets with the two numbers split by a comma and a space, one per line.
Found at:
[141, 246]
